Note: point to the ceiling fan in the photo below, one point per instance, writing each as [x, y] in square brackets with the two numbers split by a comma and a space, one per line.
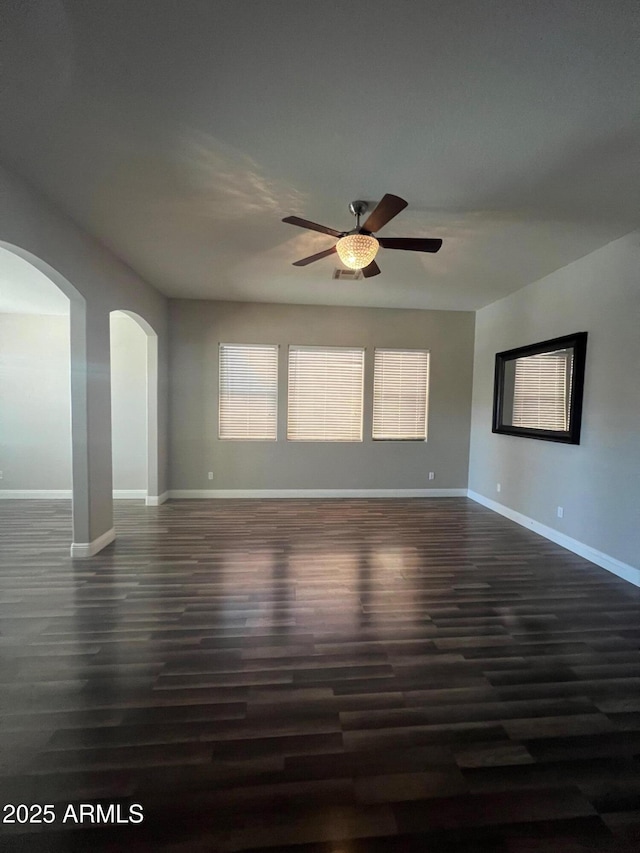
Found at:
[357, 248]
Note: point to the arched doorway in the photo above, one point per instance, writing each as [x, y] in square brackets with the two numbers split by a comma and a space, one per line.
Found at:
[91, 468]
[49, 288]
[134, 413]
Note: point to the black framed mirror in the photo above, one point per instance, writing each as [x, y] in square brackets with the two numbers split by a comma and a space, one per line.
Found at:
[538, 389]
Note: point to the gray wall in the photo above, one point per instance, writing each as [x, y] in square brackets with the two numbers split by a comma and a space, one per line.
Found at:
[597, 482]
[35, 403]
[196, 329]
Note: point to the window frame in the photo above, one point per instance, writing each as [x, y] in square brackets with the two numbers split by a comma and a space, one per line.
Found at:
[276, 348]
[426, 398]
[307, 348]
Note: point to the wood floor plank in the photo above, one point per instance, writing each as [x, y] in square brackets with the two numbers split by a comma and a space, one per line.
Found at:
[317, 676]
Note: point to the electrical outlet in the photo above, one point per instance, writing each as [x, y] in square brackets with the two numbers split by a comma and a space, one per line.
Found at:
[211, 475]
[432, 475]
[498, 487]
[0, 475]
[560, 512]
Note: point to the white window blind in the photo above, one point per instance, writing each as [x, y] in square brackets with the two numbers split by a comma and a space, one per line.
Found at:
[248, 392]
[541, 391]
[325, 394]
[400, 394]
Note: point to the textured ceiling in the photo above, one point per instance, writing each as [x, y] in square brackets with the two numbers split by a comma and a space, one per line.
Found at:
[179, 133]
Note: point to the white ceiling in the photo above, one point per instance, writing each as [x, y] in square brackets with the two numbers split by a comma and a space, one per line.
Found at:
[180, 132]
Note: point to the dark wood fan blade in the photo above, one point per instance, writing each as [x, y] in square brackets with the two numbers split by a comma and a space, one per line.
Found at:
[412, 244]
[372, 269]
[312, 226]
[388, 207]
[304, 261]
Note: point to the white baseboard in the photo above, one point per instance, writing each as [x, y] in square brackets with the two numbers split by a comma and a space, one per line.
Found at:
[611, 564]
[317, 493]
[156, 500]
[79, 550]
[65, 494]
[35, 494]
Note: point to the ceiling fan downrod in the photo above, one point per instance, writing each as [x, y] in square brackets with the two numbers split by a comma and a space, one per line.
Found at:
[357, 208]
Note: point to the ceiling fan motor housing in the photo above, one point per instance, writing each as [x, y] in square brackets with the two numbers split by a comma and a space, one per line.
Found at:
[358, 207]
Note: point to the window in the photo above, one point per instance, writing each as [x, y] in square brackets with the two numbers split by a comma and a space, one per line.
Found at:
[400, 394]
[325, 394]
[248, 392]
[542, 391]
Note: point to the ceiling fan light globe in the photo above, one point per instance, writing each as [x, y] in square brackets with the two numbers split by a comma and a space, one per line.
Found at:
[356, 251]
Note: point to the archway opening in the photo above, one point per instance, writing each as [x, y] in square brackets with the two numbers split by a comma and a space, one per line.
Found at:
[35, 388]
[134, 388]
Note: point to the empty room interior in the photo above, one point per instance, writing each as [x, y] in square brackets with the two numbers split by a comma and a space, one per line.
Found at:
[319, 426]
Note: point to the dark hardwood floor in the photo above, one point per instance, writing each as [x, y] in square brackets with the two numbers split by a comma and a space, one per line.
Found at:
[332, 676]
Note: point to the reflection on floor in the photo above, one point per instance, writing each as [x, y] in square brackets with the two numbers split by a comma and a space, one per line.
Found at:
[315, 676]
